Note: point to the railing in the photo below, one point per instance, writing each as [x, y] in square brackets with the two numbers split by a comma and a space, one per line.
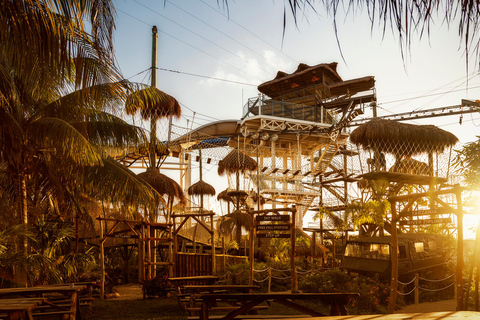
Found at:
[288, 110]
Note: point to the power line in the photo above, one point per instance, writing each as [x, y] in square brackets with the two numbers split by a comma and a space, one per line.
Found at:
[423, 96]
[197, 34]
[188, 44]
[207, 77]
[220, 31]
[253, 34]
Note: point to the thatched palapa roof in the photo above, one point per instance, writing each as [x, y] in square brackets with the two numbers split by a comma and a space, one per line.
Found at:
[236, 161]
[152, 101]
[224, 196]
[201, 188]
[402, 138]
[162, 184]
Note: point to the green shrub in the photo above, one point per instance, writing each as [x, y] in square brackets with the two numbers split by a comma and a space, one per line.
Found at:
[373, 298]
[156, 287]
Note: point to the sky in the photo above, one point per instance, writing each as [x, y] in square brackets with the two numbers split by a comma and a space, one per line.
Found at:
[201, 41]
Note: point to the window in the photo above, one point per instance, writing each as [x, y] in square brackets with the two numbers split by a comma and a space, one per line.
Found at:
[419, 247]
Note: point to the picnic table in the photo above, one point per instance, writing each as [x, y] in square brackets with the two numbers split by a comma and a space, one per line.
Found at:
[189, 296]
[19, 308]
[71, 291]
[247, 301]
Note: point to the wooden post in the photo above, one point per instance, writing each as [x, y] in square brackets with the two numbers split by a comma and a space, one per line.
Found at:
[269, 279]
[252, 241]
[417, 294]
[102, 263]
[394, 258]
[214, 262]
[459, 269]
[149, 251]
[293, 238]
[170, 238]
[142, 252]
[313, 245]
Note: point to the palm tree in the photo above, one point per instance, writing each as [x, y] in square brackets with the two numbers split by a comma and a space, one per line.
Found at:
[57, 84]
[234, 222]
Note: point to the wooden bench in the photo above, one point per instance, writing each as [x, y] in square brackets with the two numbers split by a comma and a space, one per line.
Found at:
[19, 308]
[68, 292]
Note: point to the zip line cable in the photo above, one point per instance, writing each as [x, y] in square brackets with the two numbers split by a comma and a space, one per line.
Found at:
[188, 44]
[253, 34]
[198, 35]
[220, 31]
[207, 77]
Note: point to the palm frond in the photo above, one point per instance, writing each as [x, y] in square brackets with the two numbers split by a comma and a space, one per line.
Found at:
[112, 181]
[45, 132]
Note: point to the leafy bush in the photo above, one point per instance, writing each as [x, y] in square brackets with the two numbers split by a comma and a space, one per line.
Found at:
[156, 287]
[373, 297]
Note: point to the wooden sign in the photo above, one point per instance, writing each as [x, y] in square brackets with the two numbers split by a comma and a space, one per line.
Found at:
[273, 235]
[425, 221]
[283, 227]
[426, 212]
[283, 217]
[124, 236]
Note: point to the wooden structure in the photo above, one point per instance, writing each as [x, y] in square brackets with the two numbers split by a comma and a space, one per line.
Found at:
[405, 157]
[293, 130]
[141, 233]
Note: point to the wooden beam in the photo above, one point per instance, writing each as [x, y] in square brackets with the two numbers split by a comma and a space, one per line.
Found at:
[426, 194]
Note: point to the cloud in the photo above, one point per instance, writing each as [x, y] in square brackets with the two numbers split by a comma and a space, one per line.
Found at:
[249, 69]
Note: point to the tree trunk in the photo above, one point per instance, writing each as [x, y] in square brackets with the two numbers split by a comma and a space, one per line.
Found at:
[22, 186]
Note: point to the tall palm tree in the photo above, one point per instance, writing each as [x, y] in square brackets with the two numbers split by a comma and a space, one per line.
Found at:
[57, 87]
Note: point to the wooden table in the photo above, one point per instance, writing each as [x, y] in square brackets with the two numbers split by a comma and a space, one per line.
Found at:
[73, 311]
[247, 301]
[19, 308]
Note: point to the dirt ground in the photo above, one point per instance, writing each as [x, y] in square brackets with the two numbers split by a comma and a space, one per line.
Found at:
[130, 291]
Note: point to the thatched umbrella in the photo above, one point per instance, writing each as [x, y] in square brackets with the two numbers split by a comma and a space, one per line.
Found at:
[236, 162]
[402, 139]
[163, 185]
[201, 188]
[152, 104]
[224, 196]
